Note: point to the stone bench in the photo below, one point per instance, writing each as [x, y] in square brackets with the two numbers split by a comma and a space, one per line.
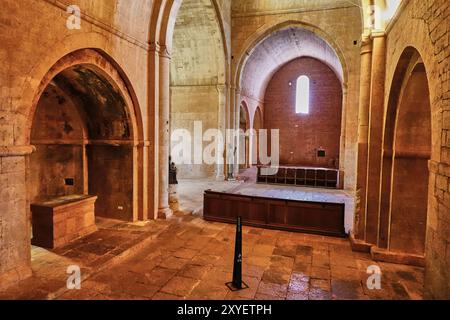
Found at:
[61, 220]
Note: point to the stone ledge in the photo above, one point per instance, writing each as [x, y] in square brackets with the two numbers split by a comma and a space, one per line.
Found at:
[16, 151]
[384, 255]
[359, 245]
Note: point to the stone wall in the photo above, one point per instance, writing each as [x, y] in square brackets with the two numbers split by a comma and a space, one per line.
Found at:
[302, 135]
[35, 37]
[193, 105]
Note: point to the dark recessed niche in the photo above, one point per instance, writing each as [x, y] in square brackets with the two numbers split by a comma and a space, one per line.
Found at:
[69, 181]
[355, 42]
[321, 154]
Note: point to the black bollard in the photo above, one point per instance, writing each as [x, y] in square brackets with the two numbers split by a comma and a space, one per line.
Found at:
[237, 283]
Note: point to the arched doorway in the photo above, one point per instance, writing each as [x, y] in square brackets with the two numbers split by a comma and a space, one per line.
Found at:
[257, 126]
[244, 139]
[84, 128]
[256, 70]
[407, 151]
[197, 71]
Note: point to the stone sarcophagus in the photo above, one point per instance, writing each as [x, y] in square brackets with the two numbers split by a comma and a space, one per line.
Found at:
[61, 220]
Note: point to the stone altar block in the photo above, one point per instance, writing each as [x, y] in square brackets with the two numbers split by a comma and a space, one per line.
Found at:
[61, 220]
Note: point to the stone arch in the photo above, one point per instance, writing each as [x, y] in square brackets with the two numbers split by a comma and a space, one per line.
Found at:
[106, 65]
[163, 20]
[265, 32]
[258, 119]
[111, 124]
[329, 53]
[244, 139]
[197, 70]
[94, 46]
[257, 125]
[406, 153]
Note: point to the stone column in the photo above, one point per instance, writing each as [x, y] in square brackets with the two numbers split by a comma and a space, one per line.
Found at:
[164, 210]
[230, 141]
[376, 118]
[363, 135]
[151, 152]
[143, 156]
[221, 125]
[15, 242]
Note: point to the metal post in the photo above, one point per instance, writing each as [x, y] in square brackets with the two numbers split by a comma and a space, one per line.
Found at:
[237, 283]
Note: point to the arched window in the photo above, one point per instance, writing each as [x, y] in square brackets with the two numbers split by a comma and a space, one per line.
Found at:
[302, 95]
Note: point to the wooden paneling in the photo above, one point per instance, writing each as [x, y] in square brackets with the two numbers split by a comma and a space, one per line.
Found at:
[301, 216]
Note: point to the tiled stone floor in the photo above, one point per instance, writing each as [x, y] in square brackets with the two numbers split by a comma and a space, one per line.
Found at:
[190, 258]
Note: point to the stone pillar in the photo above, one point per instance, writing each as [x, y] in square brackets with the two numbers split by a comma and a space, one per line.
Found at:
[143, 153]
[221, 125]
[164, 210]
[375, 136]
[363, 135]
[230, 140]
[15, 242]
[150, 155]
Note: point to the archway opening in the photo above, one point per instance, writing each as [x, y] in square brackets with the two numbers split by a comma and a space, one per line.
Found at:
[197, 71]
[257, 126]
[412, 151]
[83, 134]
[318, 122]
[244, 138]
[407, 151]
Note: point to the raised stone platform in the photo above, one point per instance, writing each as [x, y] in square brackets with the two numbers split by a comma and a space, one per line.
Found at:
[61, 220]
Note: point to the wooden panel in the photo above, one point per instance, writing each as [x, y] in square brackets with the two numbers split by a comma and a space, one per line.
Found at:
[322, 218]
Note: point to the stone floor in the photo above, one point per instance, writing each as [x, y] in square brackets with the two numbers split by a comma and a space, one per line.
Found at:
[189, 258]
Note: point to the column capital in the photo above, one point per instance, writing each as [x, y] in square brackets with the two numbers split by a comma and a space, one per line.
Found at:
[164, 52]
[221, 87]
[143, 144]
[377, 34]
[366, 45]
[16, 151]
[161, 50]
[153, 47]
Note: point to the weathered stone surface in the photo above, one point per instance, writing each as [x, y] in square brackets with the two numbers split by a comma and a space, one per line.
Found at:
[138, 83]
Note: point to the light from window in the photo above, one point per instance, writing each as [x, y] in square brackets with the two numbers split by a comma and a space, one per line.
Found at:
[302, 99]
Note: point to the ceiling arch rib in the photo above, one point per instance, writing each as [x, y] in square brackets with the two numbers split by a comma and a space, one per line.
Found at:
[280, 48]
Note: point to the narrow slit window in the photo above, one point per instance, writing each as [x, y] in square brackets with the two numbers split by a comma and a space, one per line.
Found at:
[302, 98]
